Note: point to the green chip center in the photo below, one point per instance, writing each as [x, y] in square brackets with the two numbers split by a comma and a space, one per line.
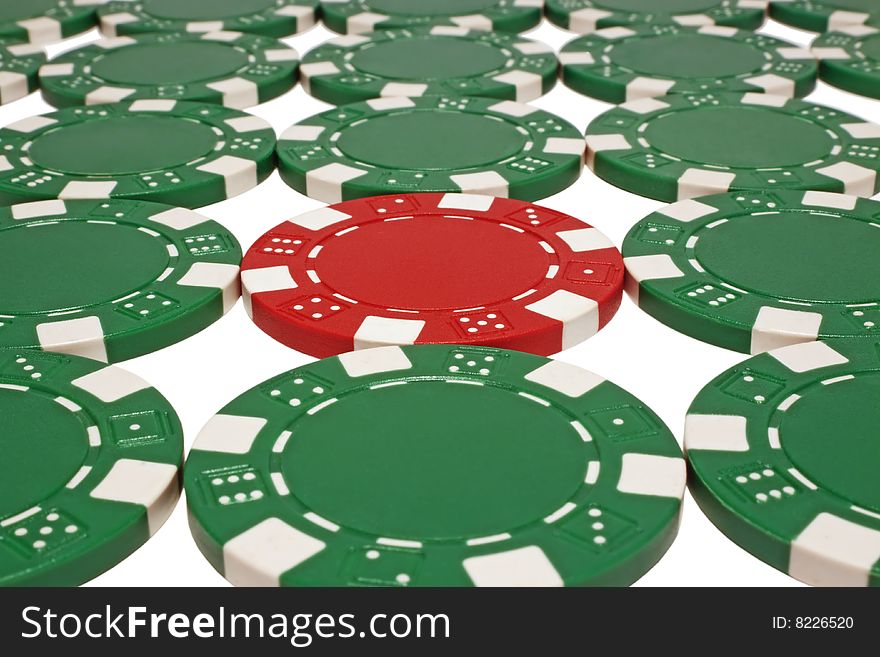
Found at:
[115, 146]
[205, 10]
[688, 56]
[42, 444]
[170, 63]
[426, 8]
[796, 256]
[429, 58]
[657, 6]
[73, 264]
[739, 137]
[433, 460]
[16, 10]
[431, 140]
[830, 434]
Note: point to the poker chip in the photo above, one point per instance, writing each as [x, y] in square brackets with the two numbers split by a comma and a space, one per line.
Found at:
[823, 15]
[437, 60]
[484, 467]
[850, 59]
[687, 145]
[90, 469]
[432, 268]
[274, 18]
[162, 150]
[620, 64]
[230, 68]
[585, 16]
[755, 271]
[45, 21]
[783, 459]
[113, 279]
[19, 63]
[431, 144]
[360, 16]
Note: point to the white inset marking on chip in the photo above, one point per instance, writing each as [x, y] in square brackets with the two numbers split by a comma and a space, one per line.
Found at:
[648, 268]
[39, 209]
[585, 239]
[325, 183]
[491, 183]
[87, 189]
[716, 433]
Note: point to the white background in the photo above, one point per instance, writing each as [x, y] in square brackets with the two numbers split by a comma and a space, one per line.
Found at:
[663, 368]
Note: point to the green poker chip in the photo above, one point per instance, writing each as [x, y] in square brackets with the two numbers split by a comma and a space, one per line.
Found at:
[360, 16]
[620, 64]
[850, 59]
[585, 16]
[431, 144]
[19, 64]
[230, 68]
[754, 271]
[823, 15]
[783, 459]
[429, 61]
[687, 145]
[274, 18]
[111, 280]
[484, 467]
[90, 469]
[46, 21]
[162, 150]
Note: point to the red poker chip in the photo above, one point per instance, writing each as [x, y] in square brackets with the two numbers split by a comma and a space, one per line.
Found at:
[429, 269]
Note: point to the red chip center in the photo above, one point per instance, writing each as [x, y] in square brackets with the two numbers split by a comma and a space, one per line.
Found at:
[432, 263]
